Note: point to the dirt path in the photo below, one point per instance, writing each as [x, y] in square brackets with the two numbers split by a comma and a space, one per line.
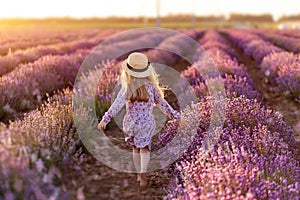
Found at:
[289, 108]
[103, 182]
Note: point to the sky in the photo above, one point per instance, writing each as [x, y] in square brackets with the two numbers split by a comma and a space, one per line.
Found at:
[132, 8]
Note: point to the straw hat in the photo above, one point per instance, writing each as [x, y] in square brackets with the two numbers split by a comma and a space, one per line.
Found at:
[137, 65]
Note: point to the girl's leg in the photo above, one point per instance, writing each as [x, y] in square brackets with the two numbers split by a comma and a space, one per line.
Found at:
[145, 158]
[136, 160]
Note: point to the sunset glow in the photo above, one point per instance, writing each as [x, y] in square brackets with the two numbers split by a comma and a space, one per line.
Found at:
[104, 8]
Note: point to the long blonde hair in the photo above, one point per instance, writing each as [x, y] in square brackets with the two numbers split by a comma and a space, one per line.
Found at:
[136, 86]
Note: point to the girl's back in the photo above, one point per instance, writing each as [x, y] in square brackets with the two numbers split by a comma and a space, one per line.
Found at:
[139, 92]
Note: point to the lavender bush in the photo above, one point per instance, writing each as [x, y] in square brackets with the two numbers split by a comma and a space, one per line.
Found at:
[255, 157]
[36, 150]
[26, 87]
[283, 70]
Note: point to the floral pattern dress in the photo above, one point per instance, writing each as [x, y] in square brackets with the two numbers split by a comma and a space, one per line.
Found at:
[139, 123]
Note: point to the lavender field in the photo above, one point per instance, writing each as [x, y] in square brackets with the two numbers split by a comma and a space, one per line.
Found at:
[256, 157]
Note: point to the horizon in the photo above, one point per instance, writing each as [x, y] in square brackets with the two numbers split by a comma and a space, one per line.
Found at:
[139, 17]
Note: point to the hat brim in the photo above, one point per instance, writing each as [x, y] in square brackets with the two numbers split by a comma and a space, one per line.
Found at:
[137, 74]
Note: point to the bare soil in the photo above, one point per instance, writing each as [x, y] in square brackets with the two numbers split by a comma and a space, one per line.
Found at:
[103, 182]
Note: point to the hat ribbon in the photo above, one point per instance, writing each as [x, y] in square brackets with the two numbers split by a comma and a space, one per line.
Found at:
[138, 70]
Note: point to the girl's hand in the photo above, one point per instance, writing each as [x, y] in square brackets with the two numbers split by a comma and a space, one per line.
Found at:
[181, 122]
[102, 125]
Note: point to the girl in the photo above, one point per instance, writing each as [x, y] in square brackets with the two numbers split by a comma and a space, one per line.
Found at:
[140, 90]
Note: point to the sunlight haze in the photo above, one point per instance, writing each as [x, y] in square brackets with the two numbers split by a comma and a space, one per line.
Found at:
[132, 8]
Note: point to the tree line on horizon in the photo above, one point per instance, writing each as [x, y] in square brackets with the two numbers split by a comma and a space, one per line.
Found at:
[233, 17]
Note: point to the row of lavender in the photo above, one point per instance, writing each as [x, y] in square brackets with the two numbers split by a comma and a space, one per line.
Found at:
[27, 86]
[20, 57]
[279, 67]
[36, 150]
[289, 33]
[236, 79]
[13, 40]
[288, 42]
[255, 156]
